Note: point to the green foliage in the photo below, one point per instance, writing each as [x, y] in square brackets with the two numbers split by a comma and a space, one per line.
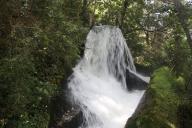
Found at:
[161, 111]
[23, 95]
[39, 46]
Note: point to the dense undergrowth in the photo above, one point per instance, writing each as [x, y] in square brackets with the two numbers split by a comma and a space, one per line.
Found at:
[38, 49]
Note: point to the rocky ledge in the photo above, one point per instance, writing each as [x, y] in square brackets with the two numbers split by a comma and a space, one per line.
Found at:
[63, 113]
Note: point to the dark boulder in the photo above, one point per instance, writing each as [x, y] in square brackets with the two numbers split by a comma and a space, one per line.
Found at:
[63, 113]
[134, 82]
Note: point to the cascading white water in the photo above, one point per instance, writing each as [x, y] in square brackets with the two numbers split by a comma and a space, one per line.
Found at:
[98, 84]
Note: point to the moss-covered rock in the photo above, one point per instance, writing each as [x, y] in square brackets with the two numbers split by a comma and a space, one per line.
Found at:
[158, 108]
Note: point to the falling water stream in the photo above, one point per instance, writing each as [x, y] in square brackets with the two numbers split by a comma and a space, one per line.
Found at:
[98, 84]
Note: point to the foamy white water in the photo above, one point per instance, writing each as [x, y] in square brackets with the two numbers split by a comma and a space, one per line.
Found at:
[98, 84]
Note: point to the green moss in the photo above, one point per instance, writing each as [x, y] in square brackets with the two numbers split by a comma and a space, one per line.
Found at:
[161, 110]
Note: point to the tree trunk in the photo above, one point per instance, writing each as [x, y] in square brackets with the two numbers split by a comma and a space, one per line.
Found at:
[123, 13]
[85, 14]
[177, 59]
[181, 14]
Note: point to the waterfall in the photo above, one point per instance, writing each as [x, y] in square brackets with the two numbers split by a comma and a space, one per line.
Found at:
[98, 83]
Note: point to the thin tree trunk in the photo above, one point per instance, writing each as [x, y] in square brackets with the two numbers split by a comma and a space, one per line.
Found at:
[123, 12]
[85, 15]
[177, 61]
[181, 14]
[147, 38]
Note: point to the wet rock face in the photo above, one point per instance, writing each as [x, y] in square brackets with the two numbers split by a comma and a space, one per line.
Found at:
[71, 119]
[134, 82]
[63, 114]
